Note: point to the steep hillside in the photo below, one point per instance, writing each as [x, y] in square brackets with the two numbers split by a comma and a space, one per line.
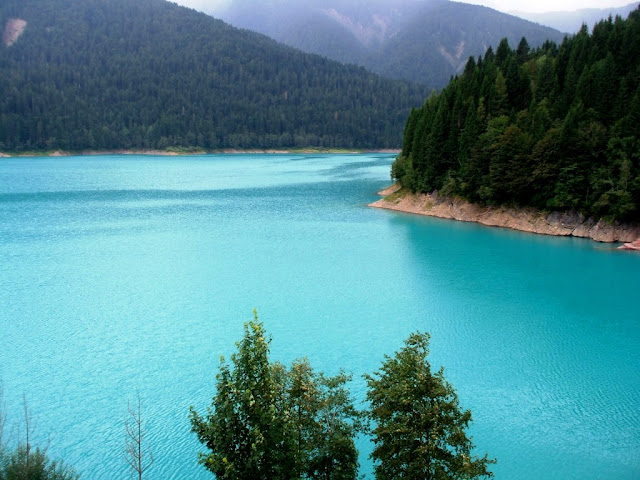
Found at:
[436, 46]
[105, 74]
[424, 41]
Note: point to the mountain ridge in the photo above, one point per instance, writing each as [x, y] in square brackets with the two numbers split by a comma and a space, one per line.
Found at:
[382, 36]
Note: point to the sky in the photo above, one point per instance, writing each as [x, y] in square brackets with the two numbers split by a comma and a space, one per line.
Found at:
[211, 6]
[548, 5]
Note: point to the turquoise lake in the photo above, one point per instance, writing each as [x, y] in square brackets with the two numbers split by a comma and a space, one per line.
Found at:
[125, 273]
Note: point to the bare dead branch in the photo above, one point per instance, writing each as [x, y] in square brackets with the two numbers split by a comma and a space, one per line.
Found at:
[137, 452]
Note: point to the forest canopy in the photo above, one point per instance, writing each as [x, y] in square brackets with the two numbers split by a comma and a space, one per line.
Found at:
[117, 74]
[555, 128]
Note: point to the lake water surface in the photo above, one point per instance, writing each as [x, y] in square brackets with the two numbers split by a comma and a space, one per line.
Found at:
[132, 273]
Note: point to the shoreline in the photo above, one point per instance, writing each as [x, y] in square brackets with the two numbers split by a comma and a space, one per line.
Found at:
[525, 219]
[225, 151]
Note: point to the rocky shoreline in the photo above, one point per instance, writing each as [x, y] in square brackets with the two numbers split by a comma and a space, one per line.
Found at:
[525, 219]
[631, 246]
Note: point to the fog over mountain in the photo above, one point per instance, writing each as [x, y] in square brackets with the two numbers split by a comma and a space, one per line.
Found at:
[541, 6]
[424, 41]
[217, 6]
[571, 21]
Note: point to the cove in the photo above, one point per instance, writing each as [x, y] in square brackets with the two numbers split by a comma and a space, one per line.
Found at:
[132, 273]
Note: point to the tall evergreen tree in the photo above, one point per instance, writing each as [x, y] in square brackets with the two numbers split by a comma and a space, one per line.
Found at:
[503, 52]
[523, 51]
[500, 98]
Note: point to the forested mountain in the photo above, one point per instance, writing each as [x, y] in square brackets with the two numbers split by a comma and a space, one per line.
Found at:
[425, 41]
[555, 128]
[114, 74]
[571, 21]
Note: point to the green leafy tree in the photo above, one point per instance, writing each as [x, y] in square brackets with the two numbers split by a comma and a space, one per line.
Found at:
[25, 462]
[266, 422]
[419, 427]
[325, 423]
[241, 430]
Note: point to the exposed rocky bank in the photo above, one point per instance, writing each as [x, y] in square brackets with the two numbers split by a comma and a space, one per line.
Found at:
[523, 219]
[631, 246]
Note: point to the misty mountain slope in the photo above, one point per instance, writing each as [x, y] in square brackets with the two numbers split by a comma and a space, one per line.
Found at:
[365, 20]
[323, 36]
[572, 21]
[424, 41]
[436, 46]
[109, 74]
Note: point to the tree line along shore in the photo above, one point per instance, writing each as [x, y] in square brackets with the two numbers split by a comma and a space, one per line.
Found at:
[554, 129]
[196, 151]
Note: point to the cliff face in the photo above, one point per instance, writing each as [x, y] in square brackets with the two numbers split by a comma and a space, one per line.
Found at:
[526, 219]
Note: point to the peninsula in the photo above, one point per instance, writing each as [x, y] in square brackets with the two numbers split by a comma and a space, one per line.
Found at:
[542, 140]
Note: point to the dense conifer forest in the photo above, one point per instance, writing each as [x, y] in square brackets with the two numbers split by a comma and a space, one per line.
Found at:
[556, 128]
[118, 74]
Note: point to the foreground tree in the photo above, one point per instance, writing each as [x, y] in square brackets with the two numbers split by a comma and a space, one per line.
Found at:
[25, 462]
[34, 464]
[242, 429]
[324, 422]
[266, 422]
[419, 427]
[137, 454]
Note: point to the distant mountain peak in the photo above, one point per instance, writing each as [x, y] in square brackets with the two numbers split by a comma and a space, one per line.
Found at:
[571, 21]
[424, 41]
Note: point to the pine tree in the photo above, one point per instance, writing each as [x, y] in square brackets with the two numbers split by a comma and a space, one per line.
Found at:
[469, 133]
[503, 52]
[500, 99]
[523, 51]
